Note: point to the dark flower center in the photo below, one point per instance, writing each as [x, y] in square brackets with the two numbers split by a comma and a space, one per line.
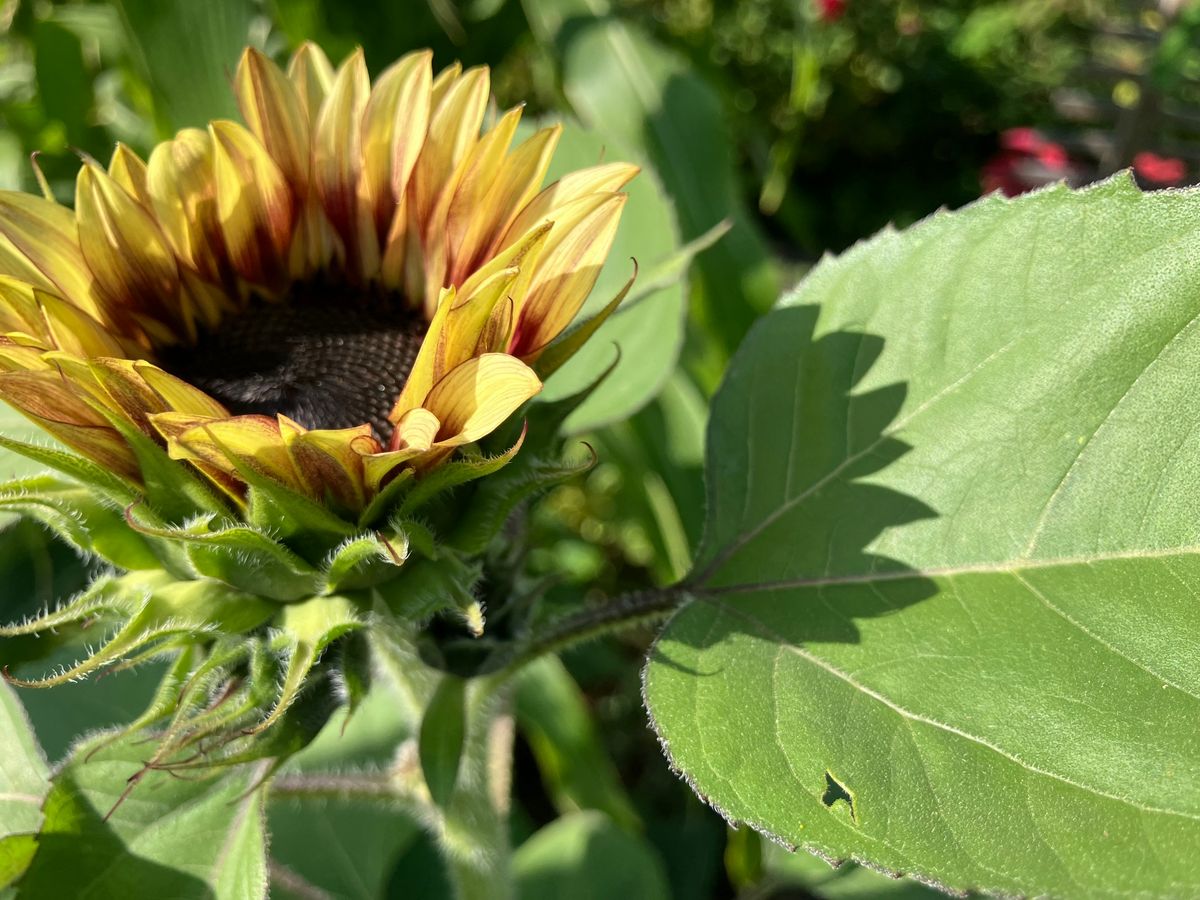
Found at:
[321, 357]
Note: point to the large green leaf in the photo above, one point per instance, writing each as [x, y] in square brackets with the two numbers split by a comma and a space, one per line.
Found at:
[188, 51]
[194, 836]
[650, 103]
[944, 617]
[24, 781]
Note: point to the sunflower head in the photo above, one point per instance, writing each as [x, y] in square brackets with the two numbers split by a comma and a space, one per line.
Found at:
[277, 352]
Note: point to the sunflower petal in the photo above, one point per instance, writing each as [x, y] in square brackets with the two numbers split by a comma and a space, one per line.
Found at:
[254, 205]
[477, 396]
[54, 405]
[549, 203]
[454, 124]
[39, 244]
[337, 162]
[464, 199]
[228, 444]
[124, 246]
[567, 269]
[177, 395]
[514, 186]
[183, 194]
[330, 461]
[393, 133]
[312, 75]
[271, 107]
[127, 169]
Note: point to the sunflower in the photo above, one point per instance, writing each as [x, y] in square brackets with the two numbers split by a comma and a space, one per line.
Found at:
[354, 283]
[271, 346]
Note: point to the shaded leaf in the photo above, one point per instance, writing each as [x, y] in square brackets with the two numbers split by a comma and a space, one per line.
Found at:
[584, 855]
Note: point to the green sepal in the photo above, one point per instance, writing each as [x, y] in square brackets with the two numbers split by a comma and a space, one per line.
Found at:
[351, 671]
[241, 556]
[172, 488]
[78, 467]
[443, 732]
[294, 730]
[307, 526]
[387, 498]
[365, 561]
[427, 588]
[453, 474]
[80, 518]
[164, 702]
[497, 497]
[153, 606]
[304, 631]
[417, 535]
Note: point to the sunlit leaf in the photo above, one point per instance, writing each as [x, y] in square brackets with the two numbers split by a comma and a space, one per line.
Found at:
[944, 617]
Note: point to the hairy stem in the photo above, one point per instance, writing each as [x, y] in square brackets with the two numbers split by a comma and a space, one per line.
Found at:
[626, 611]
[474, 827]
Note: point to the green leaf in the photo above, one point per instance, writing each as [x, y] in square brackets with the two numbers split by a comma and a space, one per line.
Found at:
[553, 715]
[943, 618]
[649, 333]
[183, 838]
[188, 52]
[585, 856]
[24, 781]
[650, 106]
[343, 846]
[443, 729]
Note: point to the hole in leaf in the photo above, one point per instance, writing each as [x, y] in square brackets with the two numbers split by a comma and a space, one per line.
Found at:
[836, 792]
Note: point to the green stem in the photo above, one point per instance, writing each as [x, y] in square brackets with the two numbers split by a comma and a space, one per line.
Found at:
[626, 611]
[474, 828]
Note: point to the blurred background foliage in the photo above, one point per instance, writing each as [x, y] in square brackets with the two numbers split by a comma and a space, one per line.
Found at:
[803, 124]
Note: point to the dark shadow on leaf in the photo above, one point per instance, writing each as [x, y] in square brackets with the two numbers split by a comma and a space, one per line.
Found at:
[798, 533]
[79, 852]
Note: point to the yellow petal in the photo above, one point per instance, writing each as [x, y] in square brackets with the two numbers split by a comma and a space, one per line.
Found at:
[271, 107]
[393, 132]
[177, 395]
[453, 129]
[127, 169]
[183, 194]
[568, 189]
[254, 205]
[337, 161]
[254, 442]
[54, 404]
[71, 329]
[426, 369]
[123, 245]
[477, 396]
[414, 435]
[514, 186]
[463, 201]
[312, 75]
[567, 269]
[39, 244]
[330, 461]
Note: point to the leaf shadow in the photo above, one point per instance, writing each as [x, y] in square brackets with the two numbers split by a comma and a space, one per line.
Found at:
[795, 413]
[79, 852]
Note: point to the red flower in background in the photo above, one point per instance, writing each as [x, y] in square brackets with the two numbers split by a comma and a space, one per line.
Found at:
[830, 10]
[1027, 159]
[1159, 171]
